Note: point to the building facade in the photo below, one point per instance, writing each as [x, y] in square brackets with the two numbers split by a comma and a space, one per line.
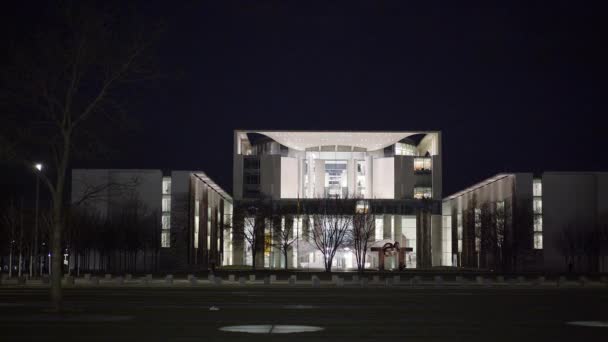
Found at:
[398, 174]
[171, 220]
[557, 221]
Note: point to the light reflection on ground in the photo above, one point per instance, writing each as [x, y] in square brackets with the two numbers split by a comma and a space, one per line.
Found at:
[271, 329]
[595, 324]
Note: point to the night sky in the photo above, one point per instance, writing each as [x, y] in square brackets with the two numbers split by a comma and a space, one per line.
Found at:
[516, 88]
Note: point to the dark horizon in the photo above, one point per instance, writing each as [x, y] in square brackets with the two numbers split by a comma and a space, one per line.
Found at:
[512, 88]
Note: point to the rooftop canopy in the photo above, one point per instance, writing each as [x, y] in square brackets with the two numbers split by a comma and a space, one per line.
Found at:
[301, 140]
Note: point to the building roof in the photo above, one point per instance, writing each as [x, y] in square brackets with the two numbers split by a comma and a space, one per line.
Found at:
[479, 185]
[203, 177]
[301, 140]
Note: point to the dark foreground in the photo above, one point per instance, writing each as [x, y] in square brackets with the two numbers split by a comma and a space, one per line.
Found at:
[346, 314]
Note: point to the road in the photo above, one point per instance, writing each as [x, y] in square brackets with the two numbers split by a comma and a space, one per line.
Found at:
[345, 314]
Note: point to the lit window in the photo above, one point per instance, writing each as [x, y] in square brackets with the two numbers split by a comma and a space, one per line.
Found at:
[166, 203]
[538, 206]
[166, 185]
[420, 193]
[166, 221]
[459, 231]
[537, 188]
[379, 232]
[402, 149]
[361, 182]
[165, 241]
[196, 222]
[422, 164]
[538, 223]
[362, 207]
[477, 229]
[538, 240]
[166, 216]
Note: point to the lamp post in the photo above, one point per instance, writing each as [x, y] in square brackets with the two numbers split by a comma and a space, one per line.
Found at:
[37, 166]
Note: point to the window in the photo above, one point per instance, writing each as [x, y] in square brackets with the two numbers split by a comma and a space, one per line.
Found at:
[538, 240]
[165, 241]
[379, 232]
[422, 164]
[251, 163]
[336, 180]
[166, 185]
[537, 188]
[166, 221]
[362, 207]
[477, 229]
[166, 205]
[361, 183]
[408, 230]
[420, 193]
[537, 204]
[446, 241]
[500, 223]
[538, 223]
[252, 179]
[459, 231]
[196, 222]
[402, 149]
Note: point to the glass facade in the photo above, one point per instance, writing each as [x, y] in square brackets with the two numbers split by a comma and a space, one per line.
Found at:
[402, 149]
[336, 181]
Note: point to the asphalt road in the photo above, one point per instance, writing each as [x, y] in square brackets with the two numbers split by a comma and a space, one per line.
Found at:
[346, 314]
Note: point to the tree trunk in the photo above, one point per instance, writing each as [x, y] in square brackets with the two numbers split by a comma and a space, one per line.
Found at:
[10, 262]
[285, 255]
[56, 267]
[19, 265]
[31, 264]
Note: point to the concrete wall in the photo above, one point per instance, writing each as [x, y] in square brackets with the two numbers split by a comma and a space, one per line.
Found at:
[270, 176]
[289, 178]
[384, 178]
[237, 177]
[404, 177]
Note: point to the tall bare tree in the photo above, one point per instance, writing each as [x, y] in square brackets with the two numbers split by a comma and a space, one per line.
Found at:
[332, 218]
[284, 235]
[250, 227]
[10, 223]
[59, 88]
[362, 234]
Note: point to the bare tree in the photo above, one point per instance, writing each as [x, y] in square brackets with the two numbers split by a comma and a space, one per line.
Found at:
[253, 216]
[332, 218]
[283, 234]
[362, 234]
[59, 90]
[10, 222]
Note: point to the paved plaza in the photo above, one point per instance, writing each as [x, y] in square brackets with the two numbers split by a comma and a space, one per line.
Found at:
[350, 313]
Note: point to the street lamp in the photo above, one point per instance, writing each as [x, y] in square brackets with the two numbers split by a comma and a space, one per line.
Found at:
[37, 166]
